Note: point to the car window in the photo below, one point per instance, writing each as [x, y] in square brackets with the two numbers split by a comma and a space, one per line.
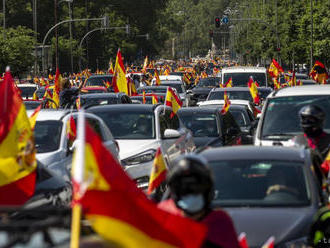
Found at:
[242, 78]
[96, 125]
[200, 124]
[229, 122]
[265, 183]
[44, 141]
[232, 95]
[240, 118]
[169, 120]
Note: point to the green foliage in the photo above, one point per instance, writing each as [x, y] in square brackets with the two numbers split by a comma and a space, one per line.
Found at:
[16, 45]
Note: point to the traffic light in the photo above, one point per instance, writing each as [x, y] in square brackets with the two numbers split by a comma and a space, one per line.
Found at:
[217, 22]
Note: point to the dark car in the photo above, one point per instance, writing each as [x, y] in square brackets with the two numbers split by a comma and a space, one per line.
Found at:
[268, 191]
[99, 80]
[237, 93]
[202, 89]
[33, 104]
[210, 127]
[148, 97]
[104, 98]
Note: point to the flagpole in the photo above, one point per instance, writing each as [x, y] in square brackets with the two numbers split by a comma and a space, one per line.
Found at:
[77, 177]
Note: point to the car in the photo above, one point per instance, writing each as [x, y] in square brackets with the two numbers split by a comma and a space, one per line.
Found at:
[237, 93]
[140, 129]
[209, 127]
[202, 89]
[31, 104]
[27, 90]
[40, 92]
[279, 120]
[92, 99]
[98, 80]
[268, 191]
[241, 75]
[148, 97]
[246, 103]
[54, 149]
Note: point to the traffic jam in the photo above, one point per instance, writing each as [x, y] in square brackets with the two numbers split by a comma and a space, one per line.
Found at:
[166, 153]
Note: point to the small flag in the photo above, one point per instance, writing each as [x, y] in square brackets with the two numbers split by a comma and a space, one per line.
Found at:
[33, 117]
[144, 97]
[254, 91]
[157, 79]
[269, 243]
[226, 104]
[293, 80]
[229, 83]
[242, 240]
[78, 103]
[275, 69]
[154, 99]
[71, 129]
[119, 81]
[158, 172]
[277, 84]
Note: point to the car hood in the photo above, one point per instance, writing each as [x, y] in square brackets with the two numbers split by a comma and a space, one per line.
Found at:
[128, 148]
[285, 224]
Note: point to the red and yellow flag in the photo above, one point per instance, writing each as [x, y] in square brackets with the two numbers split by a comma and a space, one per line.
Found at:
[254, 91]
[270, 243]
[293, 80]
[144, 101]
[172, 100]
[204, 74]
[277, 84]
[275, 69]
[17, 153]
[243, 241]
[226, 104]
[158, 172]
[57, 89]
[319, 73]
[326, 165]
[33, 117]
[157, 79]
[145, 65]
[133, 221]
[154, 99]
[119, 81]
[71, 129]
[131, 87]
[229, 83]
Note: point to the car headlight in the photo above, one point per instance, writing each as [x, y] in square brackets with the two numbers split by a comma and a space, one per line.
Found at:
[143, 157]
[297, 243]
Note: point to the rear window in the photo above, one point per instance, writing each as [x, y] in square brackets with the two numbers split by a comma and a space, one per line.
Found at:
[98, 81]
[242, 78]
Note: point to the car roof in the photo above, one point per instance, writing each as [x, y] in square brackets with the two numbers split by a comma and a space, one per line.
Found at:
[210, 110]
[243, 69]
[304, 90]
[220, 102]
[177, 82]
[102, 95]
[255, 152]
[241, 89]
[152, 87]
[123, 107]
[50, 114]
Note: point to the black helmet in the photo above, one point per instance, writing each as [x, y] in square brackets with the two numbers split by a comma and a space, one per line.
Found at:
[191, 175]
[311, 116]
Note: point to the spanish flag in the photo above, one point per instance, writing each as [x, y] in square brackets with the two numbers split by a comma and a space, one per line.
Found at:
[144, 101]
[33, 117]
[277, 84]
[319, 73]
[229, 83]
[145, 64]
[172, 100]
[293, 80]
[57, 89]
[71, 130]
[119, 211]
[254, 91]
[243, 241]
[119, 81]
[226, 104]
[154, 99]
[17, 153]
[270, 243]
[110, 70]
[158, 172]
[275, 69]
[157, 79]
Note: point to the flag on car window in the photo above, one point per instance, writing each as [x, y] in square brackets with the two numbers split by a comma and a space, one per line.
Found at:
[154, 99]
[157, 79]
[33, 117]
[226, 104]
[17, 152]
[319, 73]
[293, 80]
[172, 100]
[277, 84]
[71, 129]
[119, 81]
[158, 172]
[254, 91]
[275, 69]
[229, 83]
[119, 211]
[145, 65]
[57, 89]
[110, 70]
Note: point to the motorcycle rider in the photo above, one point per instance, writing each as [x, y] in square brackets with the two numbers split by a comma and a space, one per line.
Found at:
[191, 192]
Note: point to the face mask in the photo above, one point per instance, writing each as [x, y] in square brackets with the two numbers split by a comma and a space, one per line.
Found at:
[191, 203]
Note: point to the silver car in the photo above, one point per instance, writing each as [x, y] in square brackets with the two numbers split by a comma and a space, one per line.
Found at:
[54, 149]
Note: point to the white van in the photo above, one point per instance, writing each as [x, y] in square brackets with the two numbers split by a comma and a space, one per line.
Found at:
[241, 75]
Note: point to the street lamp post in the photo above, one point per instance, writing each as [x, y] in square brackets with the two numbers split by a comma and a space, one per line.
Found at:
[35, 28]
[4, 17]
[312, 38]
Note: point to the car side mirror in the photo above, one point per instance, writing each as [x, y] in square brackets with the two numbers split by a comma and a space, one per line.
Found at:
[171, 134]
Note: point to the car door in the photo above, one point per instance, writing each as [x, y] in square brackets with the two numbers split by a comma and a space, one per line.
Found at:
[173, 147]
[231, 131]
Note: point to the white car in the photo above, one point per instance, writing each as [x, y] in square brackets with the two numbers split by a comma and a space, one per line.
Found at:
[27, 90]
[241, 75]
[54, 149]
[279, 120]
[140, 129]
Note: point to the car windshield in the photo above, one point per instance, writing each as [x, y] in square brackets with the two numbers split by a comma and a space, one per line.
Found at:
[27, 91]
[88, 101]
[233, 95]
[208, 82]
[176, 86]
[130, 125]
[240, 118]
[259, 183]
[31, 105]
[242, 78]
[282, 115]
[200, 124]
[98, 81]
[44, 141]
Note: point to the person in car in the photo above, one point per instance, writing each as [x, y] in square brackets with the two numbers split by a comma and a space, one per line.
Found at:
[191, 193]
